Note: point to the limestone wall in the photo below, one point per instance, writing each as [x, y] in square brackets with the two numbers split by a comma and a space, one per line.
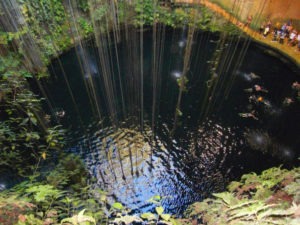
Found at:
[272, 9]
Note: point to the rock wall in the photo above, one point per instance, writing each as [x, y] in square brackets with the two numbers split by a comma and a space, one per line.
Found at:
[283, 9]
[272, 9]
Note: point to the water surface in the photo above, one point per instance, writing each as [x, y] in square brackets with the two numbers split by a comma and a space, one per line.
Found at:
[212, 143]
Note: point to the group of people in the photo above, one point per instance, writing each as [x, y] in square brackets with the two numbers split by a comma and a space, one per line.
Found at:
[296, 94]
[255, 98]
[281, 33]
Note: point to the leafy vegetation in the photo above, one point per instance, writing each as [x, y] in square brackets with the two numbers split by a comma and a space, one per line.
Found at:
[83, 5]
[25, 133]
[86, 27]
[47, 24]
[33, 202]
[157, 217]
[69, 173]
[52, 24]
[182, 83]
[269, 198]
[40, 202]
[149, 12]
[63, 195]
[79, 219]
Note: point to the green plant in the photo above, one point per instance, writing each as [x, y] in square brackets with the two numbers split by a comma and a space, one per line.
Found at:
[47, 25]
[146, 12]
[181, 16]
[160, 216]
[12, 208]
[83, 5]
[269, 198]
[100, 12]
[43, 193]
[25, 135]
[42, 203]
[69, 172]
[79, 219]
[121, 215]
[182, 83]
[85, 26]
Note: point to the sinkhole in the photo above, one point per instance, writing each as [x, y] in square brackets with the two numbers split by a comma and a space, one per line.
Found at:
[176, 114]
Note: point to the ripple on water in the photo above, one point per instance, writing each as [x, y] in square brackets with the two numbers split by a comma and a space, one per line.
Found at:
[132, 168]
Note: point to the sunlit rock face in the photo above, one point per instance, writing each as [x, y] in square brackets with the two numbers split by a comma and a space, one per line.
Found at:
[271, 9]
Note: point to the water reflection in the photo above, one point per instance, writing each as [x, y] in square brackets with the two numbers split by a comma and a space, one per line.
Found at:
[182, 43]
[261, 141]
[258, 140]
[201, 156]
[133, 166]
[249, 77]
[176, 74]
[88, 63]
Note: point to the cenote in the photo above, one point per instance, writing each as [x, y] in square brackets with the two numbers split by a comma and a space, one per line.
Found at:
[138, 139]
[148, 112]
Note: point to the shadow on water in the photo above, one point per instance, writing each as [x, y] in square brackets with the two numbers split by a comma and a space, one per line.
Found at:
[206, 151]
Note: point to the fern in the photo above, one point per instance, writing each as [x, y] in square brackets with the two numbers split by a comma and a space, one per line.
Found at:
[127, 220]
[251, 202]
[43, 192]
[233, 186]
[227, 197]
[79, 219]
[294, 189]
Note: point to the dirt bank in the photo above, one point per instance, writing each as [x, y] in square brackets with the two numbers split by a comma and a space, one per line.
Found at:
[227, 13]
[266, 9]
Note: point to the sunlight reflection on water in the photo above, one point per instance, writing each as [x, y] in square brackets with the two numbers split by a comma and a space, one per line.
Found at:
[132, 168]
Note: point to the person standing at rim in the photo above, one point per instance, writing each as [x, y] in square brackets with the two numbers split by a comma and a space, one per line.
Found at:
[249, 20]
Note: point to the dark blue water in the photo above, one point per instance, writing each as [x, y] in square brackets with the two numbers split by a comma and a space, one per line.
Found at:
[212, 143]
